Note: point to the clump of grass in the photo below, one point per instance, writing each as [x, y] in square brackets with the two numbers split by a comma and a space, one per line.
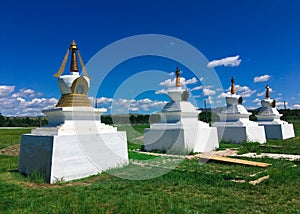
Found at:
[228, 145]
[249, 147]
[37, 177]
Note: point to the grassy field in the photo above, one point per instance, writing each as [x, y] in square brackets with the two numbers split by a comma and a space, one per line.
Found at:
[192, 187]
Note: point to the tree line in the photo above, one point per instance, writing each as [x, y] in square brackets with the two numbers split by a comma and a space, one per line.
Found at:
[209, 116]
[22, 121]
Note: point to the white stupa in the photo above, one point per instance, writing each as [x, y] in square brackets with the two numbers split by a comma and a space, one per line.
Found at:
[234, 125]
[269, 117]
[74, 144]
[179, 130]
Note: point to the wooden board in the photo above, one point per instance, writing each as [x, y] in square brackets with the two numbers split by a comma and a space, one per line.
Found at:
[234, 160]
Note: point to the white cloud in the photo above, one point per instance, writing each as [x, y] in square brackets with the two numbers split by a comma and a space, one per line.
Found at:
[256, 100]
[208, 92]
[134, 109]
[210, 100]
[297, 106]
[223, 94]
[244, 91]
[25, 102]
[197, 88]
[171, 83]
[190, 81]
[263, 78]
[104, 100]
[125, 105]
[228, 61]
[168, 83]
[6, 90]
[281, 104]
[280, 94]
[161, 91]
[263, 93]
[26, 93]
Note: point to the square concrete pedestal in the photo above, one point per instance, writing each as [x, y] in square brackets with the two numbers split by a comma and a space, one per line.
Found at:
[180, 139]
[74, 145]
[239, 134]
[279, 131]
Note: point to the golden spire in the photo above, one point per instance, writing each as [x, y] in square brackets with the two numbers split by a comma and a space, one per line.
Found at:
[74, 64]
[267, 91]
[233, 91]
[178, 84]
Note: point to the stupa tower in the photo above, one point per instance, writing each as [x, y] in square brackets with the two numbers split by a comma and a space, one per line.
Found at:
[234, 125]
[73, 86]
[179, 131]
[74, 144]
[269, 117]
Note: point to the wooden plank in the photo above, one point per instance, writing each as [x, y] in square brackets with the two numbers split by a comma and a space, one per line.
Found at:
[235, 160]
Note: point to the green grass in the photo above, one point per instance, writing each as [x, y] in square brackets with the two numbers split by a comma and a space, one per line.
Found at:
[134, 134]
[192, 187]
[11, 136]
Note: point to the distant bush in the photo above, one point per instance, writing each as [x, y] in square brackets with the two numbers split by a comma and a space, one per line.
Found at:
[290, 114]
[22, 121]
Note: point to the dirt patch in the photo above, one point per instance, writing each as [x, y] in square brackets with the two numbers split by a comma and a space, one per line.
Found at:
[36, 185]
[12, 150]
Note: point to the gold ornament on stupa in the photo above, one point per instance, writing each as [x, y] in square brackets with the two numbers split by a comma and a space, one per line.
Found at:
[74, 87]
[232, 90]
[178, 84]
[267, 92]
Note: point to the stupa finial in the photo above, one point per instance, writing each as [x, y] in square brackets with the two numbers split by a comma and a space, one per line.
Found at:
[232, 90]
[267, 92]
[74, 64]
[178, 84]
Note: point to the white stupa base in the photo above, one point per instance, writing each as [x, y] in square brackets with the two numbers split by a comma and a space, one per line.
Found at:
[180, 139]
[240, 131]
[274, 127]
[78, 147]
[280, 131]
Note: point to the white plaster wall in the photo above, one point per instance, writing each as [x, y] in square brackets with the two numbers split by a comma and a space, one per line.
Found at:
[279, 131]
[241, 134]
[36, 155]
[256, 134]
[182, 138]
[76, 148]
[169, 140]
[288, 131]
[69, 157]
[207, 139]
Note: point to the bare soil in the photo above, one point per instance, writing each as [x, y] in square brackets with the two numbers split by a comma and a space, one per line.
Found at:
[12, 150]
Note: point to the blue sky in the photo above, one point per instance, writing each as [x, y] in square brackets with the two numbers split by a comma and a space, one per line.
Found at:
[263, 36]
